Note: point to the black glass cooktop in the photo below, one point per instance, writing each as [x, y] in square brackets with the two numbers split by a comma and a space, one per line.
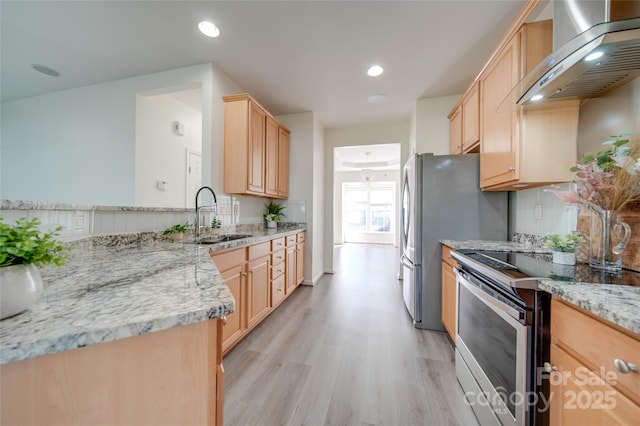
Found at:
[524, 265]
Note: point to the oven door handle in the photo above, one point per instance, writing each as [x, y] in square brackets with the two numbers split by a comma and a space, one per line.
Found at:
[490, 301]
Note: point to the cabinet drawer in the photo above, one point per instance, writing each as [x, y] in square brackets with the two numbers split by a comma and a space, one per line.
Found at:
[446, 256]
[596, 344]
[277, 270]
[259, 250]
[302, 237]
[291, 240]
[277, 257]
[277, 290]
[277, 244]
[229, 259]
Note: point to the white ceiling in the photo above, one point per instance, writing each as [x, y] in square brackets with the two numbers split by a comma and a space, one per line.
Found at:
[292, 56]
[367, 157]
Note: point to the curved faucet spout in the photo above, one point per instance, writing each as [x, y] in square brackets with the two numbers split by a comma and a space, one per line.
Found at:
[215, 205]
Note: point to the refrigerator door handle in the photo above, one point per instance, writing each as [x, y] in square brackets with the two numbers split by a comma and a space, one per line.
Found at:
[406, 262]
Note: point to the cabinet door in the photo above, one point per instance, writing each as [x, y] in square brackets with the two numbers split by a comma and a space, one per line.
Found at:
[272, 158]
[499, 141]
[470, 119]
[291, 274]
[300, 263]
[580, 397]
[449, 308]
[455, 132]
[258, 290]
[256, 151]
[234, 328]
[283, 163]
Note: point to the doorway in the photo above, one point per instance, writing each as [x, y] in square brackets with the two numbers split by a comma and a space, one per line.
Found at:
[366, 182]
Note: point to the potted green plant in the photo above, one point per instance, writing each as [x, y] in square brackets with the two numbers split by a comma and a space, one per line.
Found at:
[22, 250]
[216, 224]
[273, 214]
[564, 247]
[176, 232]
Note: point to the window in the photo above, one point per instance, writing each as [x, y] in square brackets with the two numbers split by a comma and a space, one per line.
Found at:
[369, 206]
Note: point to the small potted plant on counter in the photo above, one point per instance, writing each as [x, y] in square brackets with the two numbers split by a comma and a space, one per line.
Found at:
[22, 250]
[564, 247]
[273, 214]
[176, 232]
[216, 224]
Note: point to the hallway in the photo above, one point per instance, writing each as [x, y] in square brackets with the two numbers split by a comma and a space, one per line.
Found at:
[345, 352]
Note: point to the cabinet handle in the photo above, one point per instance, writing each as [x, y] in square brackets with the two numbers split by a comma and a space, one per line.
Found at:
[244, 274]
[624, 367]
[251, 271]
[224, 320]
[512, 169]
[548, 367]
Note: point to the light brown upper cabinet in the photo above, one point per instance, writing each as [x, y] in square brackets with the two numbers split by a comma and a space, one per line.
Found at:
[464, 123]
[471, 119]
[524, 147]
[455, 131]
[256, 149]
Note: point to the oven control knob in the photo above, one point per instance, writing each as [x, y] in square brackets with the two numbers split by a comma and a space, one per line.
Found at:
[624, 367]
[549, 368]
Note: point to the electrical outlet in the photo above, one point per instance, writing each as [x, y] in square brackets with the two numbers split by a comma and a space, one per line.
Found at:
[79, 222]
[537, 212]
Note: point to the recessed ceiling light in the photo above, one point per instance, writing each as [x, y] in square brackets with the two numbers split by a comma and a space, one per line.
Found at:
[45, 70]
[593, 56]
[537, 97]
[375, 71]
[377, 98]
[209, 29]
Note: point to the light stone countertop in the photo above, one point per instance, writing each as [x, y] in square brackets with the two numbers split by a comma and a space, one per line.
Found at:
[618, 304]
[119, 290]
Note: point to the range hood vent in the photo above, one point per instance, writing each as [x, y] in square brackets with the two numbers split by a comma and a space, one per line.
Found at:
[568, 74]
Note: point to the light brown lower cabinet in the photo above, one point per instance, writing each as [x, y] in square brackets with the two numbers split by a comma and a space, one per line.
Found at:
[258, 277]
[449, 293]
[586, 386]
[172, 376]
[258, 283]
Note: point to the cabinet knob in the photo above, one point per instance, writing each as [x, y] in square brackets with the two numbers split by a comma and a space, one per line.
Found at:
[244, 274]
[548, 367]
[224, 320]
[624, 367]
[512, 169]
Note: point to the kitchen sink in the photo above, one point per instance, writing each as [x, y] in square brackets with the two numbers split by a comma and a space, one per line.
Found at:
[220, 239]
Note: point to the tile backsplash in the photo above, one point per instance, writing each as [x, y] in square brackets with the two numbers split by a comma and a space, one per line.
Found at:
[80, 221]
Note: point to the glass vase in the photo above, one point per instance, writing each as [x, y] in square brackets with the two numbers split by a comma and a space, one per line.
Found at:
[608, 239]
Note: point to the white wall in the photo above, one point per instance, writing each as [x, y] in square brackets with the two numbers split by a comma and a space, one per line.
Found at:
[157, 144]
[374, 134]
[319, 159]
[432, 124]
[601, 117]
[79, 144]
[301, 185]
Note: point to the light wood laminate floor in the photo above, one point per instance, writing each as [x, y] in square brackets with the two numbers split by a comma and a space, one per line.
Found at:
[345, 353]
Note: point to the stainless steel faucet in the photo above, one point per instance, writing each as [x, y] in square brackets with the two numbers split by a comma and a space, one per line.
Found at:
[214, 205]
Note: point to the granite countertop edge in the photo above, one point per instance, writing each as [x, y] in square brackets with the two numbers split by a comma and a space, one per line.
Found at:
[615, 303]
[111, 293]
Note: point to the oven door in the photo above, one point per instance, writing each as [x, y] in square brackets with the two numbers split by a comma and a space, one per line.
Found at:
[492, 341]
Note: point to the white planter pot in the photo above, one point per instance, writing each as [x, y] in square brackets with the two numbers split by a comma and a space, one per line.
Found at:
[20, 287]
[564, 258]
[271, 224]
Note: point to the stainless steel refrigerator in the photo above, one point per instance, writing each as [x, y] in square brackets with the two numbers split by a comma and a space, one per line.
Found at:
[441, 199]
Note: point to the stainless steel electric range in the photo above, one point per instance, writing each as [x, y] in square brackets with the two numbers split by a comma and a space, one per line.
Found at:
[502, 335]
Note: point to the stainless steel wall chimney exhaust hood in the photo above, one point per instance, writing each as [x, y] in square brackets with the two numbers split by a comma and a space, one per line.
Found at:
[605, 56]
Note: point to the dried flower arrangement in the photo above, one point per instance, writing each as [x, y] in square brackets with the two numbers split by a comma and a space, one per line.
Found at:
[610, 180]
